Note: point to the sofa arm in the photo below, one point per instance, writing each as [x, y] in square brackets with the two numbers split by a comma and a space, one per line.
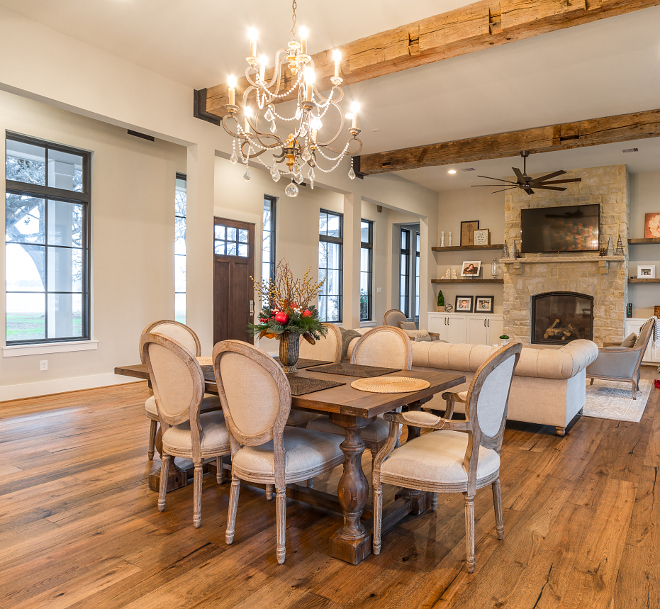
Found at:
[615, 362]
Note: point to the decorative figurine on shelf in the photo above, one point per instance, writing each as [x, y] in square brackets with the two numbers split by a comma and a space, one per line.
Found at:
[441, 302]
[619, 247]
[514, 253]
[449, 307]
[447, 274]
[505, 250]
[449, 244]
[442, 239]
[453, 274]
[519, 250]
[493, 268]
[609, 246]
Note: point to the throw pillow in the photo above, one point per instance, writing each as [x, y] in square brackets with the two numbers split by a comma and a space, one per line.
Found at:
[629, 341]
[407, 325]
[346, 337]
[423, 339]
[417, 334]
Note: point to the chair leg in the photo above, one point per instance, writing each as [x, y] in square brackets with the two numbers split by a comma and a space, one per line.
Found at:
[449, 410]
[164, 474]
[152, 439]
[310, 483]
[280, 502]
[561, 431]
[497, 502]
[378, 514]
[233, 505]
[434, 502]
[219, 473]
[592, 382]
[269, 492]
[197, 495]
[469, 531]
[375, 448]
[633, 389]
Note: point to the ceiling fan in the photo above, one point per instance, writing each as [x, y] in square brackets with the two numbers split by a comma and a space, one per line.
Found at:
[527, 183]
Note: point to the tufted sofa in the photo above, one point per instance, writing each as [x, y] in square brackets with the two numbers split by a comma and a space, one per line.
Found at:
[549, 386]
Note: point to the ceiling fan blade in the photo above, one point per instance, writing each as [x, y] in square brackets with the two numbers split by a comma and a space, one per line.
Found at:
[549, 188]
[498, 179]
[565, 181]
[561, 172]
[529, 191]
[503, 189]
[519, 175]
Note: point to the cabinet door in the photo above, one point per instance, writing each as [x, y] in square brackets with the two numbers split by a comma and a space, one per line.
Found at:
[457, 329]
[437, 323]
[477, 331]
[495, 329]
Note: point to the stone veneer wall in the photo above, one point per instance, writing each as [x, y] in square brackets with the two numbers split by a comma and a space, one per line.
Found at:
[606, 282]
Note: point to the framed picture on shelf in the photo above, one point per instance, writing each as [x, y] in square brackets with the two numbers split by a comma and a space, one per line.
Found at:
[483, 304]
[482, 236]
[652, 225]
[467, 231]
[646, 271]
[471, 268]
[464, 304]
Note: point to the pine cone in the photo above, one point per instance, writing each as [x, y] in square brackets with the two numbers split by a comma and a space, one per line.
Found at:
[309, 338]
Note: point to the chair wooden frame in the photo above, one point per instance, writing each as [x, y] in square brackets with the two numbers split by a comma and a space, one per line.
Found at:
[191, 413]
[152, 327]
[274, 434]
[476, 439]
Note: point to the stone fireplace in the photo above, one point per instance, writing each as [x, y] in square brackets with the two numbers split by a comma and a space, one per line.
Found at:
[560, 317]
[601, 280]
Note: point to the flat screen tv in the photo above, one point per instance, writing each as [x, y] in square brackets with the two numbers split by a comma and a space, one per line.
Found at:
[560, 229]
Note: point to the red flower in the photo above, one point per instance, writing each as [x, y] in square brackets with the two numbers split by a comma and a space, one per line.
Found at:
[307, 313]
[281, 318]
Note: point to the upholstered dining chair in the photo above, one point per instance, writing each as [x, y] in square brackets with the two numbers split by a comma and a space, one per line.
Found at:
[386, 347]
[187, 338]
[178, 385]
[459, 456]
[617, 363]
[256, 400]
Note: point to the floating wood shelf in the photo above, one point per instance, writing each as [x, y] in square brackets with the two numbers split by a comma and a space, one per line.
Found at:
[461, 248]
[467, 280]
[638, 280]
[642, 241]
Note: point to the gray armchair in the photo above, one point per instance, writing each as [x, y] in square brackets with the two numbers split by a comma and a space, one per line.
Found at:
[616, 363]
[393, 317]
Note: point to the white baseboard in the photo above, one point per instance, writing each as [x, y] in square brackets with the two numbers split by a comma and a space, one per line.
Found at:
[30, 390]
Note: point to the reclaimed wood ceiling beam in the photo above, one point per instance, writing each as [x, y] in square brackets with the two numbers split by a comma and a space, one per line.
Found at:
[592, 132]
[464, 30]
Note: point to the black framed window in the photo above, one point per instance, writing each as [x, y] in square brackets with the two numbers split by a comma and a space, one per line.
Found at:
[268, 247]
[180, 202]
[47, 201]
[417, 268]
[366, 269]
[330, 265]
[404, 272]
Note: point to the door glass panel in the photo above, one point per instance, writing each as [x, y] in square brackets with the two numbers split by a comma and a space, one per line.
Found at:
[220, 248]
[243, 250]
[231, 249]
[219, 231]
[26, 317]
[25, 219]
[243, 236]
[231, 234]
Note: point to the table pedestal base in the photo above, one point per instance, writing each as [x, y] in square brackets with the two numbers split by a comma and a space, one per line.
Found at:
[181, 471]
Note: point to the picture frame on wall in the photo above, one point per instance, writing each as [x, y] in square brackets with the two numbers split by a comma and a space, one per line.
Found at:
[646, 271]
[483, 304]
[464, 304]
[471, 268]
[652, 225]
[482, 236]
[467, 231]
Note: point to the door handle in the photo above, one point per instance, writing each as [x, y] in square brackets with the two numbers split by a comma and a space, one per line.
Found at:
[252, 307]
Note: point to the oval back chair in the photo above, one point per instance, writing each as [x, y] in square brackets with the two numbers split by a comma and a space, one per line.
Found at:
[393, 317]
[385, 346]
[327, 348]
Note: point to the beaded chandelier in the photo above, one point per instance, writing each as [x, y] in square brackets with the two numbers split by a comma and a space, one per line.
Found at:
[293, 76]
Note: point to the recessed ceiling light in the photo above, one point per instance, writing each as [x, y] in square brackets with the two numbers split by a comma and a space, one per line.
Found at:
[452, 171]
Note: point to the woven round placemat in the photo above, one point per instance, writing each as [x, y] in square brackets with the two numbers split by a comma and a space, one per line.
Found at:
[390, 384]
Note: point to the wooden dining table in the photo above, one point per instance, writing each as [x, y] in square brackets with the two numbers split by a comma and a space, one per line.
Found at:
[353, 410]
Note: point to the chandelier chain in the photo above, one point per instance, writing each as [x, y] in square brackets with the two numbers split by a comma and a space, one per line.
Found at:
[294, 5]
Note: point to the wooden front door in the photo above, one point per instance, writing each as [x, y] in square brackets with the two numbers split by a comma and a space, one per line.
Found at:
[233, 290]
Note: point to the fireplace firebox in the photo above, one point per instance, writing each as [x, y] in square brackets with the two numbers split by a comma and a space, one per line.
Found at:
[560, 317]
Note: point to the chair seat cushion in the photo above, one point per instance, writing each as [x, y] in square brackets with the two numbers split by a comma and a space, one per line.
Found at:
[307, 453]
[300, 417]
[376, 431]
[209, 403]
[436, 459]
[214, 437]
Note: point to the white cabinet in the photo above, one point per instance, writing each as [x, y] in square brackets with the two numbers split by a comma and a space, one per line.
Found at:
[652, 354]
[471, 328]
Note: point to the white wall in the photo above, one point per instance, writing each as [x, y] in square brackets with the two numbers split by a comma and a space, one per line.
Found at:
[453, 208]
[644, 198]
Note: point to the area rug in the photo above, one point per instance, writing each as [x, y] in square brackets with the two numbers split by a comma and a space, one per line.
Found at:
[609, 400]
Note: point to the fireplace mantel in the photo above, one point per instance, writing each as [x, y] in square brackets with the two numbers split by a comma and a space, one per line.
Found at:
[603, 262]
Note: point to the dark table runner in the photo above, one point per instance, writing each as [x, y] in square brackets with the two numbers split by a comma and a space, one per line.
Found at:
[356, 370]
[299, 385]
[305, 363]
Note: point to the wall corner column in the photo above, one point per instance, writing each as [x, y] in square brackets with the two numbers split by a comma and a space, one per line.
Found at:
[352, 241]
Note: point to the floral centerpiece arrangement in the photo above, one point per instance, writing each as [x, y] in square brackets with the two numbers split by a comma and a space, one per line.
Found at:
[289, 313]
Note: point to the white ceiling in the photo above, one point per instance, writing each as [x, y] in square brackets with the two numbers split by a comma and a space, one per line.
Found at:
[600, 69]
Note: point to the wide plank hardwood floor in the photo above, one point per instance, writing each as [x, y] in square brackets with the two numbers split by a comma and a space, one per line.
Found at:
[79, 526]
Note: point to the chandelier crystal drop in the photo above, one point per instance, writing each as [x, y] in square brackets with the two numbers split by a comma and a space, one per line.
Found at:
[253, 123]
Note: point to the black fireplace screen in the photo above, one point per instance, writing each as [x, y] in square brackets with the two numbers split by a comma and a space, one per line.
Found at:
[560, 317]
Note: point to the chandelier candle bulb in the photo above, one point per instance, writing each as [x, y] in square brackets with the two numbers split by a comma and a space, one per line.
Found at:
[309, 80]
[252, 34]
[231, 81]
[303, 40]
[355, 108]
